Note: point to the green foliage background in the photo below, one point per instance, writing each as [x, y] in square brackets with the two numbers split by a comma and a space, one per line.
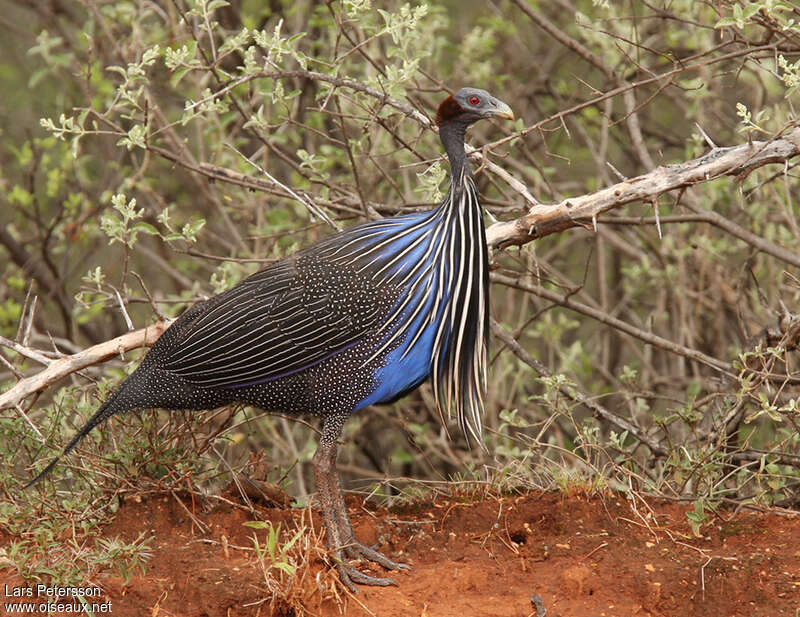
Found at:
[125, 128]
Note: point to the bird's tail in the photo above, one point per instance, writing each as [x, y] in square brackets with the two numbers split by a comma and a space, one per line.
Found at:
[113, 405]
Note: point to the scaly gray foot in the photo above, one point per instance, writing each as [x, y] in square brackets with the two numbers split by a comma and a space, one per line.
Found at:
[350, 577]
[355, 549]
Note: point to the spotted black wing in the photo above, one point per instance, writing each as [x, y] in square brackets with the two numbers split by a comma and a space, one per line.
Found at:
[279, 321]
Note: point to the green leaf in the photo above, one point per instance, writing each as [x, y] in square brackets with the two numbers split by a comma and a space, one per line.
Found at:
[289, 569]
[190, 230]
[178, 75]
[751, 10]
[146, 228]
[213, 5]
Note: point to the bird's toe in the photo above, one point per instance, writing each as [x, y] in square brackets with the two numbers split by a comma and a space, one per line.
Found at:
[356, 549]
[350, 576]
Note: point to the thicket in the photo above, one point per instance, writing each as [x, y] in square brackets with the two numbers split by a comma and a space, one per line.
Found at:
[155, 153]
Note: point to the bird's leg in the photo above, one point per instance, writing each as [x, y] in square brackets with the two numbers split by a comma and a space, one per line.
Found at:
[337, 524]
[353, 547]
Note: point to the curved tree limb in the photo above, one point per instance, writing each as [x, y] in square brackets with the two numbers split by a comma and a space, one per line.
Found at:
[543, 220]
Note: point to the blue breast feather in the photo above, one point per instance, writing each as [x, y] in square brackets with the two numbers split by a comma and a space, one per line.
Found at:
[405, 367]
[409, 364]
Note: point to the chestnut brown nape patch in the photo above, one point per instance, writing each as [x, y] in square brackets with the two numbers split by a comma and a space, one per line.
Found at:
[447, 110]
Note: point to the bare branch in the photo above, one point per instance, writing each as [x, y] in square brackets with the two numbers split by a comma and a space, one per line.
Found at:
[57, 369]
[738, 161]
[603, 317]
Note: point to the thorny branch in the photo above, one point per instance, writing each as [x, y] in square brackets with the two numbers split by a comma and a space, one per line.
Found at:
[584, 210]
[574, 395]
[618, 324]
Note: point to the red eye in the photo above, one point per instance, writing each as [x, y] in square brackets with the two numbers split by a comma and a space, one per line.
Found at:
[474, 100]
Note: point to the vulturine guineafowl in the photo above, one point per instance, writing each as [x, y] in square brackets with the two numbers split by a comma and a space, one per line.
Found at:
[362, 317]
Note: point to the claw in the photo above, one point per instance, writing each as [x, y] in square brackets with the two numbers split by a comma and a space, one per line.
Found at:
[355, 549]
[350, 576]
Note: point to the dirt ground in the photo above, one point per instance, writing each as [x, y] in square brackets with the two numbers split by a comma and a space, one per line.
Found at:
[577, 556]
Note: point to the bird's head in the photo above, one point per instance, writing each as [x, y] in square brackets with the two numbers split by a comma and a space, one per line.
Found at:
[469, 105]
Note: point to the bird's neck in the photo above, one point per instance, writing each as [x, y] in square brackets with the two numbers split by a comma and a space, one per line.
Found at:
[452, 135]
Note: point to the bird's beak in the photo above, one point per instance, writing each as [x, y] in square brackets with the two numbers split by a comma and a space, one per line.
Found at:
[503, 111]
